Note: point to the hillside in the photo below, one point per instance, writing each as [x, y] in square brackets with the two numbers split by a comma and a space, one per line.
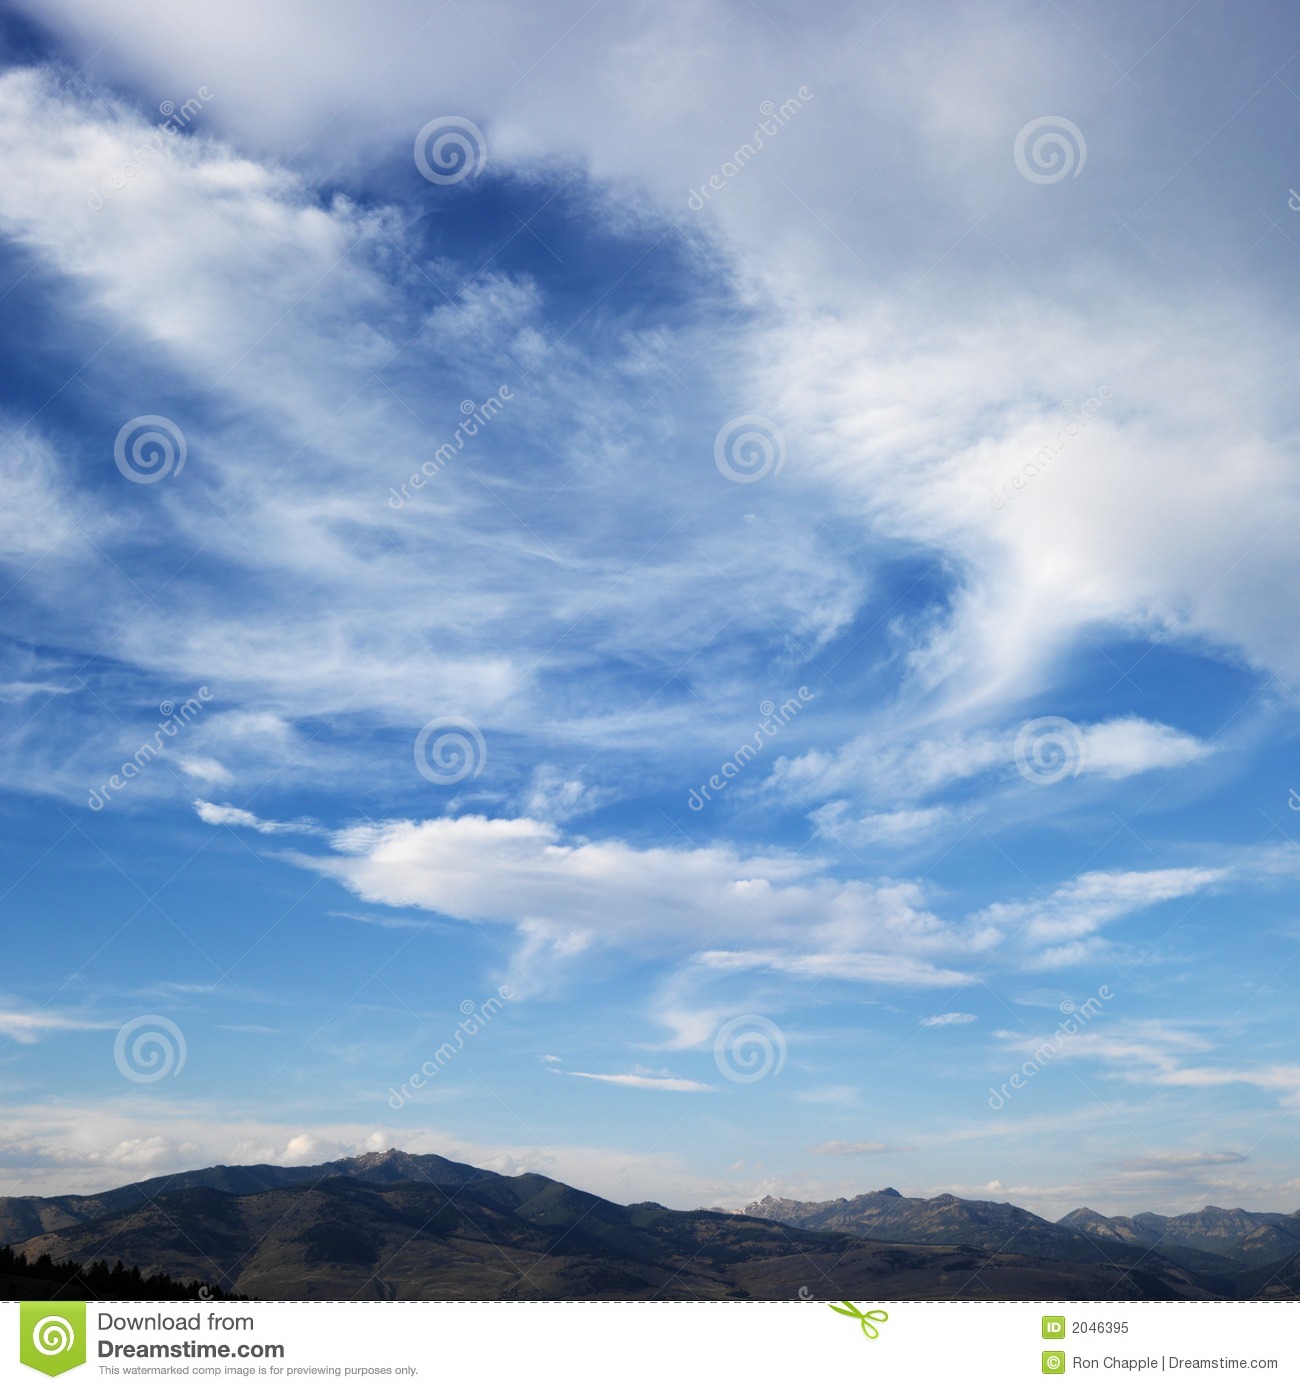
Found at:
[403, 1226]
[475, 1234]
[1246, 1237]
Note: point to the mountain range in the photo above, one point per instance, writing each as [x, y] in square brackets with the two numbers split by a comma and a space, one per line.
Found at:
[401, 1226]
[1213, 1240]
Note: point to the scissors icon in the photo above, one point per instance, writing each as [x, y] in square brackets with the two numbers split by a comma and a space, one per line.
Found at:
[867, 1320]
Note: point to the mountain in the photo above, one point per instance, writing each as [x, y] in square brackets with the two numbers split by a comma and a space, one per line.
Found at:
[23, 1217]
[1213, 1243]
[999, 1226]
[1248, 1237]
[887, 1215]
[409, 1226]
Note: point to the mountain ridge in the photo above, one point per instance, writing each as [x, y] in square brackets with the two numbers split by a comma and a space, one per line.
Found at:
[392, 1225]
[1246, 1239]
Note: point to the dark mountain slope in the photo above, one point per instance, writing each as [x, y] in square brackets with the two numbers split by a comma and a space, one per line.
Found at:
[531, 1238]
[23, 1217]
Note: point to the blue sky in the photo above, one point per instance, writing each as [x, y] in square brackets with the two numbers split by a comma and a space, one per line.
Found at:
[1001, 575]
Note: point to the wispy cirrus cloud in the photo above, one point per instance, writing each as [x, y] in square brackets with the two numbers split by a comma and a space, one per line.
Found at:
[1060, 928]
[888, 767]
[1181, 1162]
[847, 1148]
[587, 587]
[236, 817]
[31, 1025]
[644, 1083]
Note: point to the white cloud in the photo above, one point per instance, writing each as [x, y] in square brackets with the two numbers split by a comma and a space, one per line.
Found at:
[890, 764]
[1177, 1162]
[847, 1148]
[1055, 929]
[211, 814]
[565, 898]
[777, 913]
[30, 1025]
[946, 1020]
[863, 966]
[1148, 521]
[838, 1096]
[1281, 1078]
[302, 301]
[1125, 747]
[1153, 1053]
[1170, 519]
[53, 1149]
[644, 1083]
[902, 827]
[206, 770]
[552, 796]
